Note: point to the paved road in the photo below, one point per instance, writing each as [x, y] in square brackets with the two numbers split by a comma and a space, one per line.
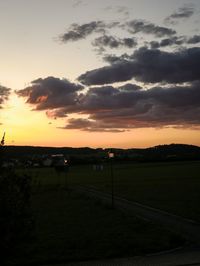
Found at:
[178, 258]
[188, 228]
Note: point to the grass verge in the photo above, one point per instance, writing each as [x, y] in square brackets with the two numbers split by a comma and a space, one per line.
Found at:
[70, 227]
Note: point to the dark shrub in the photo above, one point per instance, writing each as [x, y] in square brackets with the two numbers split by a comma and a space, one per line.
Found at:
[16, 223]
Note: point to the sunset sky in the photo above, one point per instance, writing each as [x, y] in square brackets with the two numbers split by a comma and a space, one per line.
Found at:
[103, 73]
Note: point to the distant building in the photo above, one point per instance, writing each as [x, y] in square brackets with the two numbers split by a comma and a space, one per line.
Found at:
[60, 163]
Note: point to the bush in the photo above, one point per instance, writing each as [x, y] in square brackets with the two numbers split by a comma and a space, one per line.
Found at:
[16, 222]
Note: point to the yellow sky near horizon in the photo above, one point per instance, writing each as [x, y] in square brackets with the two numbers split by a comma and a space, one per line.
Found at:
[26, 127]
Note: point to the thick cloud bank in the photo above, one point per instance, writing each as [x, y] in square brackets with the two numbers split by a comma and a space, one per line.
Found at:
[150, 66]
[50, 93]
[112, 109]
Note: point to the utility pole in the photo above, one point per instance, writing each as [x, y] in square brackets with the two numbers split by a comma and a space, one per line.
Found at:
[111, 158]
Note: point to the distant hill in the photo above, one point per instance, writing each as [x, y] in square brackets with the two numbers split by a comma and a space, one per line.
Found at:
[173, 152]
[170, 152]
[176, 148]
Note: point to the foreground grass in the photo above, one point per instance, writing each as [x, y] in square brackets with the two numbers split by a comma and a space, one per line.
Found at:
[174, 187]
[71, 227]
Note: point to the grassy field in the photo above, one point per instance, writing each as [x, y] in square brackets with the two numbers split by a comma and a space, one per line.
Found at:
[174, 187]
[70, 227]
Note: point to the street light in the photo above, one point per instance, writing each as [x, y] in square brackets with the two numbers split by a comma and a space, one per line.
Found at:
[111, 156]
[66, 167]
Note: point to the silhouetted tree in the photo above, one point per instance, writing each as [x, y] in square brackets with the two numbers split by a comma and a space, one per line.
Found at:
[1, 151]
[16, 222]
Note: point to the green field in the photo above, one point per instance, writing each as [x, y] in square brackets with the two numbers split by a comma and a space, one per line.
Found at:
[71, 227]
[174, 187]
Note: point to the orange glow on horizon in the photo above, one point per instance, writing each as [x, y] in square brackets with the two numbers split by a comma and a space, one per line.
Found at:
[26, 127]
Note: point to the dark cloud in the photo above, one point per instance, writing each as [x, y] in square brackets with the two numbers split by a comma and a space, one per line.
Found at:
[4, 94]
[50, 93]
[80, 31]
[129, 42]
[113, 42]
[110, 109]
[92, 125]
[119, 71]
[149, 65]
[77, 32]
[194, 39]
[130, 106]
[104, 98]
[136, 26]
[106, 41]
[182, 13]
[174, 40]
[111, 59]
[154, 44]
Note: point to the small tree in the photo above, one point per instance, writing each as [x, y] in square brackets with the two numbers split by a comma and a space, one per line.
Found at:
[3, 139]
[16, 222]
[1, 151]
